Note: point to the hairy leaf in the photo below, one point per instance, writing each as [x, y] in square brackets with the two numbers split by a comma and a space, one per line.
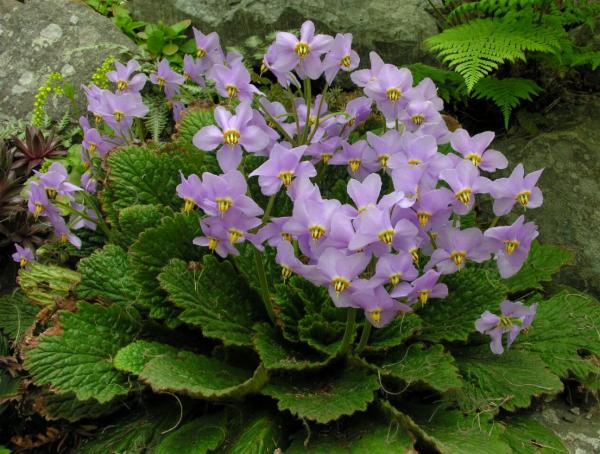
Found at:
[192, 120]
[527, 436]
[135, 219]
[394, 334]
[107, 275]
[200, 436]
[45, 284]
[263, 434]
[79, 358]
[213, 297]
[470, 292]
[324, 398]
[17, 315]
[66, 406]
[506, 381]
[135, 356]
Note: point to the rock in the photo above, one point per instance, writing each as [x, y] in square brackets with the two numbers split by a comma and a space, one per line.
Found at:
[569, 152]
[394, 29]
[46, 36]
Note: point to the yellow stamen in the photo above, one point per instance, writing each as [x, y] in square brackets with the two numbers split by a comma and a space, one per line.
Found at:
[418, 119]
[63, 238]
[414, 252]
[510, 246]
[52, 193]
[160, 81]
[231, 137]
[345, 61]
[118, 116]
[186, 76]
[39, 207]
[395, 278]
[286, 272]
[316, 231]
[122, 85]
[458, 257]
[386, 236]
[23, 262]
[415, 162]
[365, 208]
[231, 90]
[92, 147]
[523, 197]
[375, 315]
[393, 94]
[200, 53]
[326, 157]
[383, 160]
[212, 243]
[354, 164]
[98, 118]
[188, 205]
[423, 217]
[474, 158]
[464, 196]
[286, 236]
[286, 176]
[224, 203]
[263, 68]
[423, 296]
[235, 235]
[340, 284]
[302, 49]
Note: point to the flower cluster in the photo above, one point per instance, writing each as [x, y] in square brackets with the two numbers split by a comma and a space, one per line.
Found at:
[388, 250]
[514, 318]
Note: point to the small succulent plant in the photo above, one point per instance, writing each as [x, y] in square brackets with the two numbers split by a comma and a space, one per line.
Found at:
[36, 147]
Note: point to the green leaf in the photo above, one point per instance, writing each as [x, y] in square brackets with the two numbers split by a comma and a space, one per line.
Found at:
[180, 26]
[395, 333]
[135, 356]
[10, 387]
[200, 376]
[418, 364]
[158, 116]
[200, 436]
[66, 406]
[543, 261]
[321, 334]
[289, 309]
[193, 119]
[214, 297]
[170, 49]
[108, 276]
[527, 436]
[155, 247]
[135, 219]
[46, 284]
[506, 381]
[324, 398]
[79, 358]
[564, 333]
[155, 41]
[371, 434]
[470, 292]
[17, 315]
[278, 354]
[263, 434]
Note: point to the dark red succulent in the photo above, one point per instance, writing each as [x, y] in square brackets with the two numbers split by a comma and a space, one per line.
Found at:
[34, 149]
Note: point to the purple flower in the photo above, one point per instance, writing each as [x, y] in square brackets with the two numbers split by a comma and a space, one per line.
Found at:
[23, 256]
[363, 77]
[88, 182]
[394, 268]
[422, 289]
[274, 232]
[380, 309]
[208, 49]
[356, 112]
[232, 132]
[92, 141]
[323, 151]
[338, 270]
[54, 181]
[426, 91]
[216, 239]
[302, 54]
[512, 244]
[194, 70]
[514, 318]
[475, 149]
[287, 260]
[167, 79]
[516, 188]
[365, 195]
[225, 192]
[311, 118]
[408, 178]
[177, 108]
[119, 110]
[311, 217]
[125, 79]
[233, 82]
[191, 191]
[280, 169]
[419, 114]
[284, 77]
[433, 208]
[465, 182]
[38, 202]
[385, 146]
[62, 232]
[276, 114]
[340, 56]
[388, 90]
[357, 157]
[456, 246]
[78, 222]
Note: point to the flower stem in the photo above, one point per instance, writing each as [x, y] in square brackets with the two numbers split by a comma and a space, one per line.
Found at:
[494, 222]
[318, 121]
[364, 337]
[264, 286]
[270, 205]
[349, 332]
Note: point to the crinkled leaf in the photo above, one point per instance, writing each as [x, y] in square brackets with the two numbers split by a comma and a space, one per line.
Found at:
[108, 276]
[214, 297]
[278, 354]
[289, 309]
[135, 356]
[543, 261]
[193, 119]
[9, 387]
[263, 434]
[200, 376]
[527, 436]
[200, 436]
[45, 284]
[66, 406]
[470, 292]
[79, 358]
[324, 398]
[418, 364]
[395, 333]
[564, 333]
[506, 381]
[135, 219]
[17, 315]
[155, 247]
[321, 334]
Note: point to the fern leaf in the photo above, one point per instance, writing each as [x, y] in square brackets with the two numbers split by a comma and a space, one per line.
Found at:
[157, 118]
[506, 93]
[479, 47]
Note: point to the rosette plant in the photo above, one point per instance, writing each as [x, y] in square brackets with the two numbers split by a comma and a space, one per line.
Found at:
[278, 277]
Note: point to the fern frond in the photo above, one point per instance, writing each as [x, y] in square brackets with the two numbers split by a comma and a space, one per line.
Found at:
[586, 58]
[495, 7]
[506, 93]
[64, 122]
[157, 118]
[479, 47]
